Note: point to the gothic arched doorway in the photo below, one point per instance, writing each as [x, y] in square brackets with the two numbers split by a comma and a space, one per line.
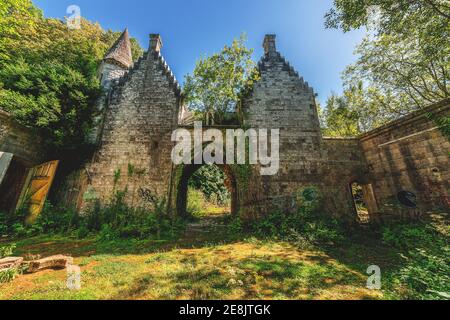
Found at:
[188, 172]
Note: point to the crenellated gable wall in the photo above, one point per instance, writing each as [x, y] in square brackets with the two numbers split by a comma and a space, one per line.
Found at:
[134, 153]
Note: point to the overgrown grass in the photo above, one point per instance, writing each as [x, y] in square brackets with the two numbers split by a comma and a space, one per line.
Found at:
[425, 253]
[200, 206]
[138, 254]
[247, 269]
[418, 253]
[113, 221]
[306, 227]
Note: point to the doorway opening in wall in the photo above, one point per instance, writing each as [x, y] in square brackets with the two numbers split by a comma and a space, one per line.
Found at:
[12, 183]
[209, 193]
[360, 204]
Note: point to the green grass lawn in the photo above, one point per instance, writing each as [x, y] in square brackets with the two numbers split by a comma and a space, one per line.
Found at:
[208, 262]
[241, 269]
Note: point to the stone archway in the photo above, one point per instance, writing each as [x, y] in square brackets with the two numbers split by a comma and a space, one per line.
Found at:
[182, 188]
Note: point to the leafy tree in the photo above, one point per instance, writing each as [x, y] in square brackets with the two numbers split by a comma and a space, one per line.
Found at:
[359, 109]
[48, 74]
[211, 181]
[404, 62]
[340, 121]
[15, 15]
[52, 97]
[391, 16]
[218, 81]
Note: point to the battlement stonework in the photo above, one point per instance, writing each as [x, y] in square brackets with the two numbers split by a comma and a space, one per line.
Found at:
[135, 148]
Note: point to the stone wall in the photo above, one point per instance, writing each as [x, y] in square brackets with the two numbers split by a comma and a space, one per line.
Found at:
[343, 163]
[20, 141]
[110, 72]
[136, 146]
[410, 154]
[281, 99]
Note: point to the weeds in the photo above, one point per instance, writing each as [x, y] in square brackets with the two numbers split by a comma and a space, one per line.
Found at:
[425, 271]
[113, 221]
[9, 274]
[7, 251]
[306, 227]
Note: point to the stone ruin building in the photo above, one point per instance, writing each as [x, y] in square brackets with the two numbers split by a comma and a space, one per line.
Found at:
[402, 168]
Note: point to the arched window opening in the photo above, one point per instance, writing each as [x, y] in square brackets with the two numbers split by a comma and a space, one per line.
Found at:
[364, 201]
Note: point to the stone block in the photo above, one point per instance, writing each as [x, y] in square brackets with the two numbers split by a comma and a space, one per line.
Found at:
[53, 262]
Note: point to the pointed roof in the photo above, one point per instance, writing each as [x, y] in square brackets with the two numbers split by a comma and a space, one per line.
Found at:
[120, 52]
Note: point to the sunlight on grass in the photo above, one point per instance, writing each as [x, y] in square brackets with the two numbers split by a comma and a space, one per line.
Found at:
[242, 270]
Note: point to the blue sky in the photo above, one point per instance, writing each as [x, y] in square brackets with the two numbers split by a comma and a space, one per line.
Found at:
[191, 28]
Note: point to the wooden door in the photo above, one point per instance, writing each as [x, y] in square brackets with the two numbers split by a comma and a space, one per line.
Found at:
[36, 188]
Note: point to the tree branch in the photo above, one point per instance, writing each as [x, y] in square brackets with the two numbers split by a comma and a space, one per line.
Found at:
[436, 8]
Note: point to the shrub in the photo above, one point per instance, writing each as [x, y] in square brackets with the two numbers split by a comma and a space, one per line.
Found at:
[9, 274]
[117, 220]
[51, 220]
[82, 232]
[426, 268]
[235, 226]
[427, 275]
[272, 225]
[7, 251]
[410, 235]
[3, 224]
[196, 202]
[110, 222]
[56, 220]
[107, 233]
[306, 226]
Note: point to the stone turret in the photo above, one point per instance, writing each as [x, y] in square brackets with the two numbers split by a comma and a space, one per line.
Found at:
[120, 52]
[118, 59]
[117, 62]
[143, 110]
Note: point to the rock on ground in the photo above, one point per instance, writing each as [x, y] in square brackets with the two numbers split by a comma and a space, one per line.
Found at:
[53, 262]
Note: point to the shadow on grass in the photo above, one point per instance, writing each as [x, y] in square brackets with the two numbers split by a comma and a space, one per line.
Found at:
[362, 249]
[47, 245]
[245, 278]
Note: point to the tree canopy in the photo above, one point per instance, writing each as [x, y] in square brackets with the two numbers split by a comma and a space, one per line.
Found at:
[219, 80]
[48, 73]
[403, 63]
